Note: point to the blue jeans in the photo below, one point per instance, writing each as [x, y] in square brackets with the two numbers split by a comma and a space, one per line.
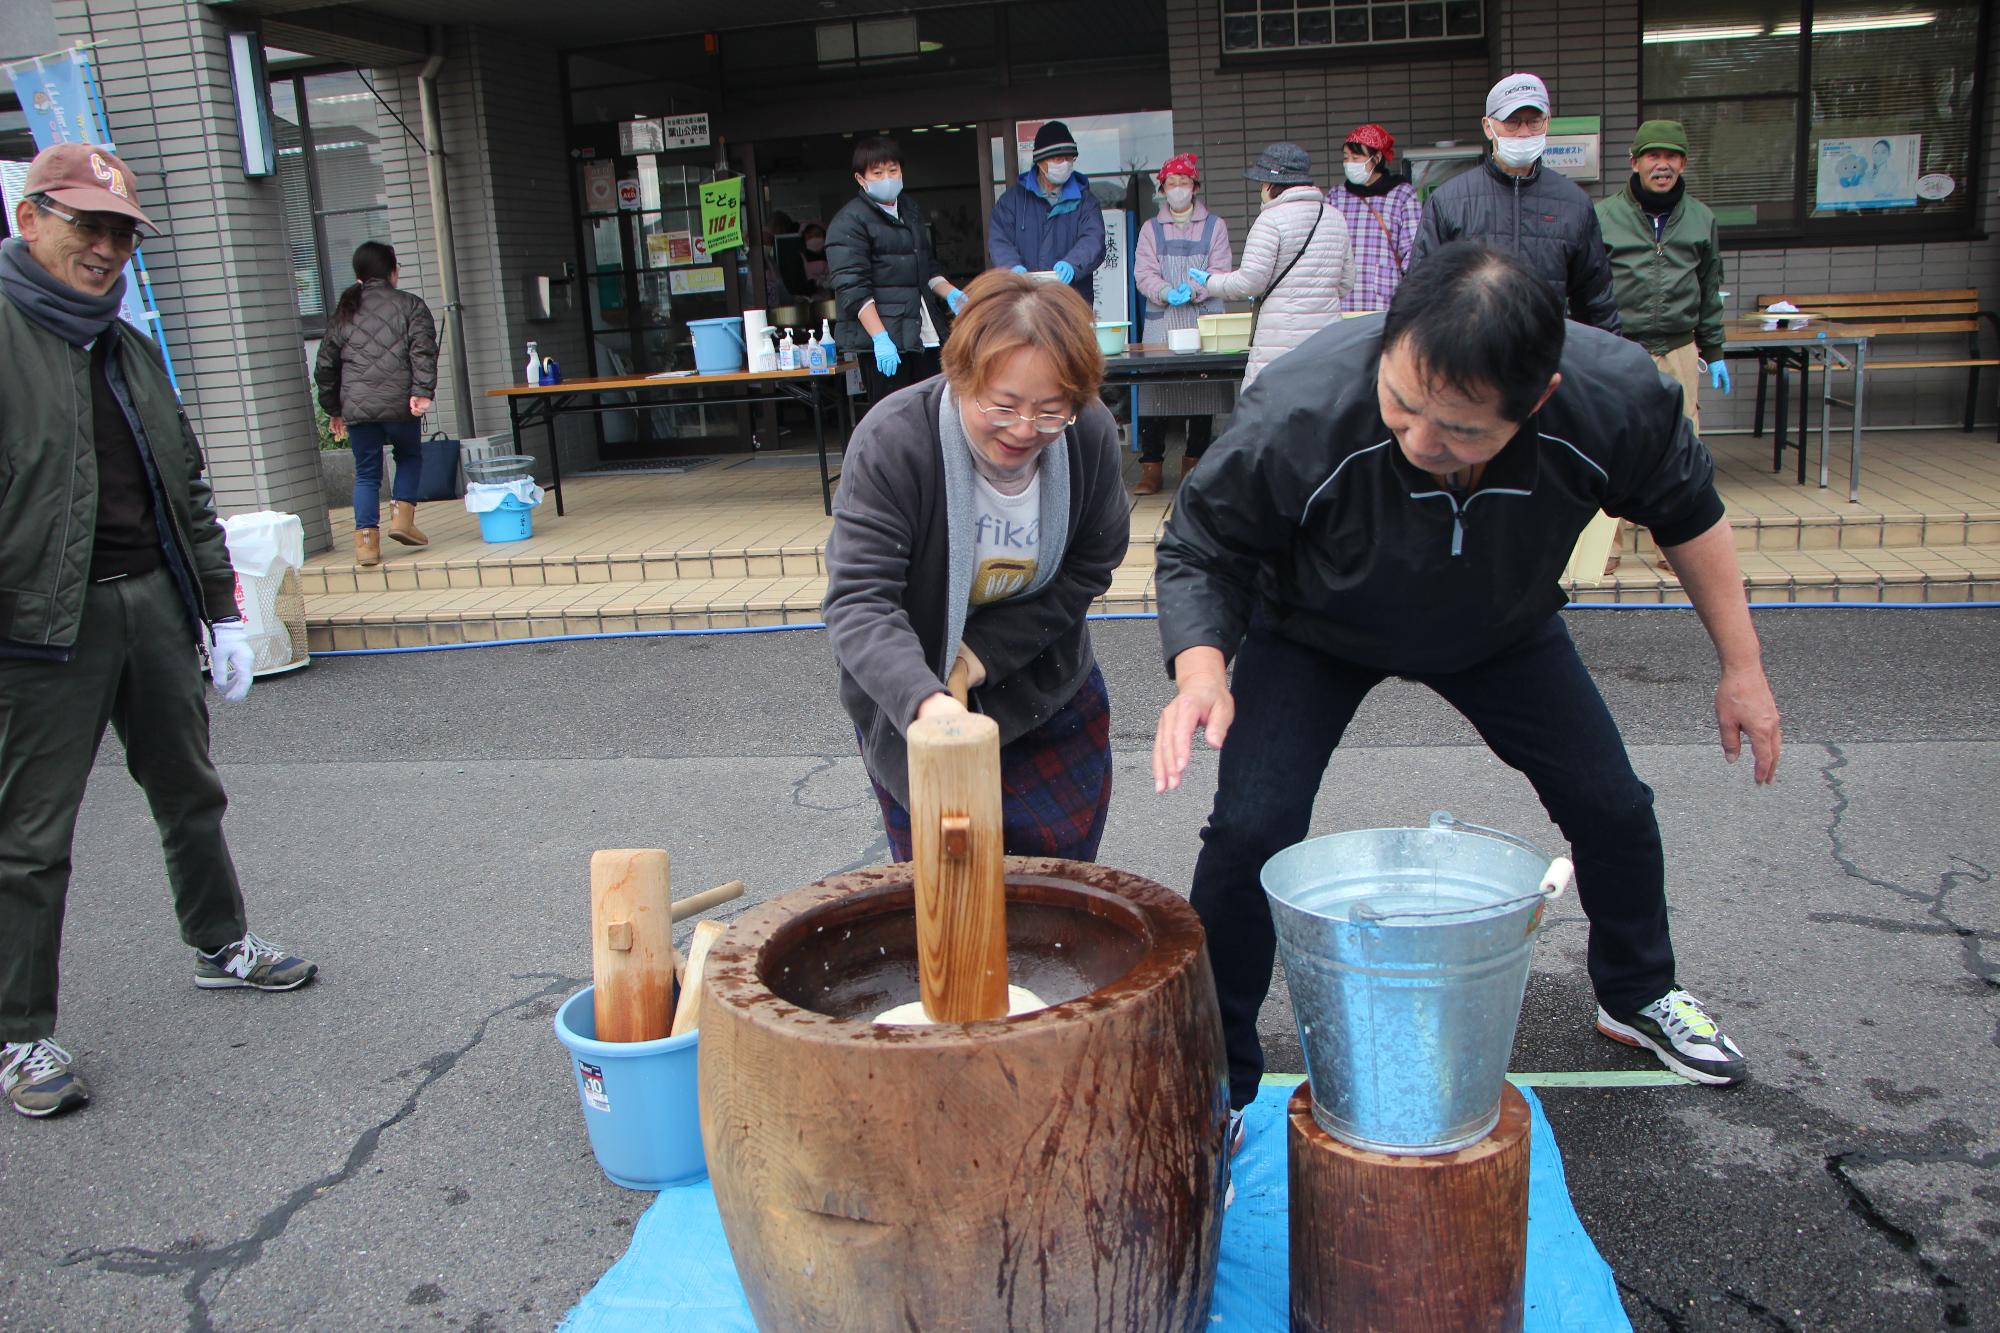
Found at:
[1537, 708]
[366, 439]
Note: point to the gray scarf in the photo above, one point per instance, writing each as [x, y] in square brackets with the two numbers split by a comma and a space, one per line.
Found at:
[73, 316]
[961, 519]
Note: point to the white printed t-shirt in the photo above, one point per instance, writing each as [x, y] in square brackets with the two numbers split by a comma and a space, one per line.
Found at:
[1008, 531]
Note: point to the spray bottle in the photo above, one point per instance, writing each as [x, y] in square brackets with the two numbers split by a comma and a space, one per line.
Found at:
[826, 341]
[534, 363]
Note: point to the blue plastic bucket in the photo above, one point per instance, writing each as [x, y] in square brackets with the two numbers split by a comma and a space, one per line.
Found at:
[718, 344]
[513, 521]
[639, 1099]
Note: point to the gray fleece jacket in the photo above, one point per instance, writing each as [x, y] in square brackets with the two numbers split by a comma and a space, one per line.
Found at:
[899, 565]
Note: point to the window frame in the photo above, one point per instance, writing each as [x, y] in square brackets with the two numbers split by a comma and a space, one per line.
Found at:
[314, 326]
[1364, 53]
[1805, 230]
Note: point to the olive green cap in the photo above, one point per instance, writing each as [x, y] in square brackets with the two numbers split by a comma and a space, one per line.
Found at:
[1668, 134]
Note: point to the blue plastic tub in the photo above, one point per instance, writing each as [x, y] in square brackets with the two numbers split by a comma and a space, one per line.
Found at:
[718, 344]
[639, 1100]
[513, 521]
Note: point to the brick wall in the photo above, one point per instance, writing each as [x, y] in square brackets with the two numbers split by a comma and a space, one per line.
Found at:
[1589, 53]
[221, 272]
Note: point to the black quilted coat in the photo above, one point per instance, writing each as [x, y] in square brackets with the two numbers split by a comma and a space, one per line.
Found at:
[1544, 218]
[372, 365]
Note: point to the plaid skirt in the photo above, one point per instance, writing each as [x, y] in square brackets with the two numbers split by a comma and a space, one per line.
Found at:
[1055, 784]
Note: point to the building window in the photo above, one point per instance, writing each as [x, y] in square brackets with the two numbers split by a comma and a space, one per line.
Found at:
[1315, 27]
[329, 130]
[1835, 120]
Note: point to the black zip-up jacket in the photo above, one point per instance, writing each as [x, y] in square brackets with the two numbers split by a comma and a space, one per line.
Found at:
[1307, 511]
[1543, 217]
[889, 260]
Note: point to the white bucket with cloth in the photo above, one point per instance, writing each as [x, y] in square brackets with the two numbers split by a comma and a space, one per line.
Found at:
[267, 549]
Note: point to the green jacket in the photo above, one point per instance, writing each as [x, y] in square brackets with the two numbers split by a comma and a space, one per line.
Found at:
[1670, 290]
[48, 485]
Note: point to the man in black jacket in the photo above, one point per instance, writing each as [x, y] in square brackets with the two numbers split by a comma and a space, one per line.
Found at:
[885, 276]
[1399, 498]
[1513, 203]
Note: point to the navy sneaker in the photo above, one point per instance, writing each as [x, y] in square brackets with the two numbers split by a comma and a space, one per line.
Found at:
[1683, 1034]
[251, 962]
[40, 1078]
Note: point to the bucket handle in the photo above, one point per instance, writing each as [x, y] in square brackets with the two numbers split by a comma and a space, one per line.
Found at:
[1559, 876]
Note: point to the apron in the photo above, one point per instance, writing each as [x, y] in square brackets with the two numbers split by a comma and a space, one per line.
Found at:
[1176, 258]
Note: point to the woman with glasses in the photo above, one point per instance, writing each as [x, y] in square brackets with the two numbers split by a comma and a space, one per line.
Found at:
[377, 370]
[979, 515]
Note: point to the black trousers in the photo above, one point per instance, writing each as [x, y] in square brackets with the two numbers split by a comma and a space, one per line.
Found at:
[1539, 710]
[914, 368]
[1153, 436]
[135, 670]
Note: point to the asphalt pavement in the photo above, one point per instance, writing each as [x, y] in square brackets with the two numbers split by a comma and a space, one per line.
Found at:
[400, 1144]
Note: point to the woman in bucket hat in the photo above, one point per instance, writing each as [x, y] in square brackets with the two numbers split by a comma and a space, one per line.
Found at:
[1183, 236]
[1382, 213]
[1297, 264]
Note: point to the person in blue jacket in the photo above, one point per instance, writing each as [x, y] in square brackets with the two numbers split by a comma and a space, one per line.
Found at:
[1047, 221]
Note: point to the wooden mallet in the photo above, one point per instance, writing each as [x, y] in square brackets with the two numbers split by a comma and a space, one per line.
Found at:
[632, 915]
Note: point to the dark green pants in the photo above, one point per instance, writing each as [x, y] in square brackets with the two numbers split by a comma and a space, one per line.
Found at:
[135, 667]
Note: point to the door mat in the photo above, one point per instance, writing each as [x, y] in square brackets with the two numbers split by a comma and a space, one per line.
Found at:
[678, 1273]
[635, 467]
[789, 460]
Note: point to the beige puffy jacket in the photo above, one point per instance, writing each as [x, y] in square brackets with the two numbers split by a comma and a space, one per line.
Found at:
[1309, 297]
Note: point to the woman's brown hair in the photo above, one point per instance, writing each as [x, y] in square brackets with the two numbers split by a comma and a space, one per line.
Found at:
[1005, 312]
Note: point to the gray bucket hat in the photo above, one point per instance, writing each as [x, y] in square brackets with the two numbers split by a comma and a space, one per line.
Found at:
[1282, 164]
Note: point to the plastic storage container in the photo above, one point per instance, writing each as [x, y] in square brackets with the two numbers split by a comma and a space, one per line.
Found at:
[1224, 333]
[1111, 337]
[718, 344]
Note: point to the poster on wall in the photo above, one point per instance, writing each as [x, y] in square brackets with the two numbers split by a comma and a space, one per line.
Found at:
[684, 132]
[722, 213]
[1575, 146]
[640, 136]
[694, 281]
[600, 187]
[668, 248]
[1864, 172]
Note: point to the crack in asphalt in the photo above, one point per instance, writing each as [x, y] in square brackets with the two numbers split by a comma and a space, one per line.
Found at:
[200, 1263]
[1769, 1317]
[799, 789]
[1859, 1202]
[1972, 951]
[1674, 1320]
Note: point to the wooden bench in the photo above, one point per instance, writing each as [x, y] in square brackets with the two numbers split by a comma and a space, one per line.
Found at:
[1952, 312]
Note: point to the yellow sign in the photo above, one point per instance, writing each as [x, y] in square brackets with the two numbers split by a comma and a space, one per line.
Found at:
[722, 214]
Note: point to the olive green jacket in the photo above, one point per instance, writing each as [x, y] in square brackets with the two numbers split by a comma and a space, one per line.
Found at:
[1669, 290]
[48, 484]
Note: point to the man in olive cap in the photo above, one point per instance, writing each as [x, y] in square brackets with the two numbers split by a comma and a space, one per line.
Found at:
[114, 577]
[1666, 264]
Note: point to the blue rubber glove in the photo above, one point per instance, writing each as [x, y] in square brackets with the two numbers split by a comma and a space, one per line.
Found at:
[886, 356]
[1063, 269]
[1718, 376]
[1200, 275]
[1020, 268]
[954, 299]
[1179, 295]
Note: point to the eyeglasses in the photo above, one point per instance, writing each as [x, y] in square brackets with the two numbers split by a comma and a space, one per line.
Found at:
[1006, 418]
[123, 238]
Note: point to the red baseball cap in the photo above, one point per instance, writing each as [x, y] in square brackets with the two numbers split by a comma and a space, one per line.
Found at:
[88, 178]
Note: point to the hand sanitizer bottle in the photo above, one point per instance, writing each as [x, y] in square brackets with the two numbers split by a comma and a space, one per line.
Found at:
[815, 354]
[534, 363]
[826, 341]
[788, 352]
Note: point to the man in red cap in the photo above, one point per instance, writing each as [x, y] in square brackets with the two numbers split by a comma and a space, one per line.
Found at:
[113, 574]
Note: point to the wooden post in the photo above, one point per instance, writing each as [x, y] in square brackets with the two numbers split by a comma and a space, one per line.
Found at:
[632, 944]
[1385, 1244]
[955, 844]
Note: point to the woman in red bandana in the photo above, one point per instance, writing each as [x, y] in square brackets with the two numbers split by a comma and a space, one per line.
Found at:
[1184, 235]
[1382, 214]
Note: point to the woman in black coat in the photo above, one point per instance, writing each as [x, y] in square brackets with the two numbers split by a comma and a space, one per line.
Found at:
[885, 275]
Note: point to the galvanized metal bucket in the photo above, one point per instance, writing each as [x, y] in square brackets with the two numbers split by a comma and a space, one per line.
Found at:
[1407, 952]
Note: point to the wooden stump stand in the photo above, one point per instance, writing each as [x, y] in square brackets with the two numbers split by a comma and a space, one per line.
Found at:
[1383, 1244]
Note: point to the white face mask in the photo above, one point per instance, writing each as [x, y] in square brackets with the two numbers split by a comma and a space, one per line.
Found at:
[1058, 172]
[1358, 172]
[1520, 152]
[1179, 198]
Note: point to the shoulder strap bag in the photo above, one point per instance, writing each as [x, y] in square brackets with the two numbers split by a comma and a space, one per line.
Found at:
[1257, 306]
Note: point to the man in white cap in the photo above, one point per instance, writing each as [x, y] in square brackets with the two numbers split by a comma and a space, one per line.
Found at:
[113, 575]
[1512, 203]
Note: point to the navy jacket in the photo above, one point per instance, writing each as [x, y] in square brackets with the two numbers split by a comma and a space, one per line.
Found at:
[1307, 512]
[1027, 231]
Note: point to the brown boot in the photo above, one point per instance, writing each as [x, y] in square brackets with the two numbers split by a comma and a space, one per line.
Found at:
[1150, 480]
[403, 524]
[1187, 464]
[367, 546]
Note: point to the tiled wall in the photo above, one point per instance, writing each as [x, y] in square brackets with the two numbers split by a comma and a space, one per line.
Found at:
[221, 272]
[1589, 53]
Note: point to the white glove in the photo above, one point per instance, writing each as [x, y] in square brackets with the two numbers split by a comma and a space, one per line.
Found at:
[231, 660]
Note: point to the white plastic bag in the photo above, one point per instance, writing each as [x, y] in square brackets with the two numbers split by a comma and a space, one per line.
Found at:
[484, 496]
[262, 547]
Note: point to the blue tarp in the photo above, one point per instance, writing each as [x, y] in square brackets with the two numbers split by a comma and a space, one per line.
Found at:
[678, 1274]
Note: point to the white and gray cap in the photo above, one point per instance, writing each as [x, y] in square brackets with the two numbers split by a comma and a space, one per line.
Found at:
[1514, 92]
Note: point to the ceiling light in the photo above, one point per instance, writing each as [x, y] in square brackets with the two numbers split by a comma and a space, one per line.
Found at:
[1709, 33]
